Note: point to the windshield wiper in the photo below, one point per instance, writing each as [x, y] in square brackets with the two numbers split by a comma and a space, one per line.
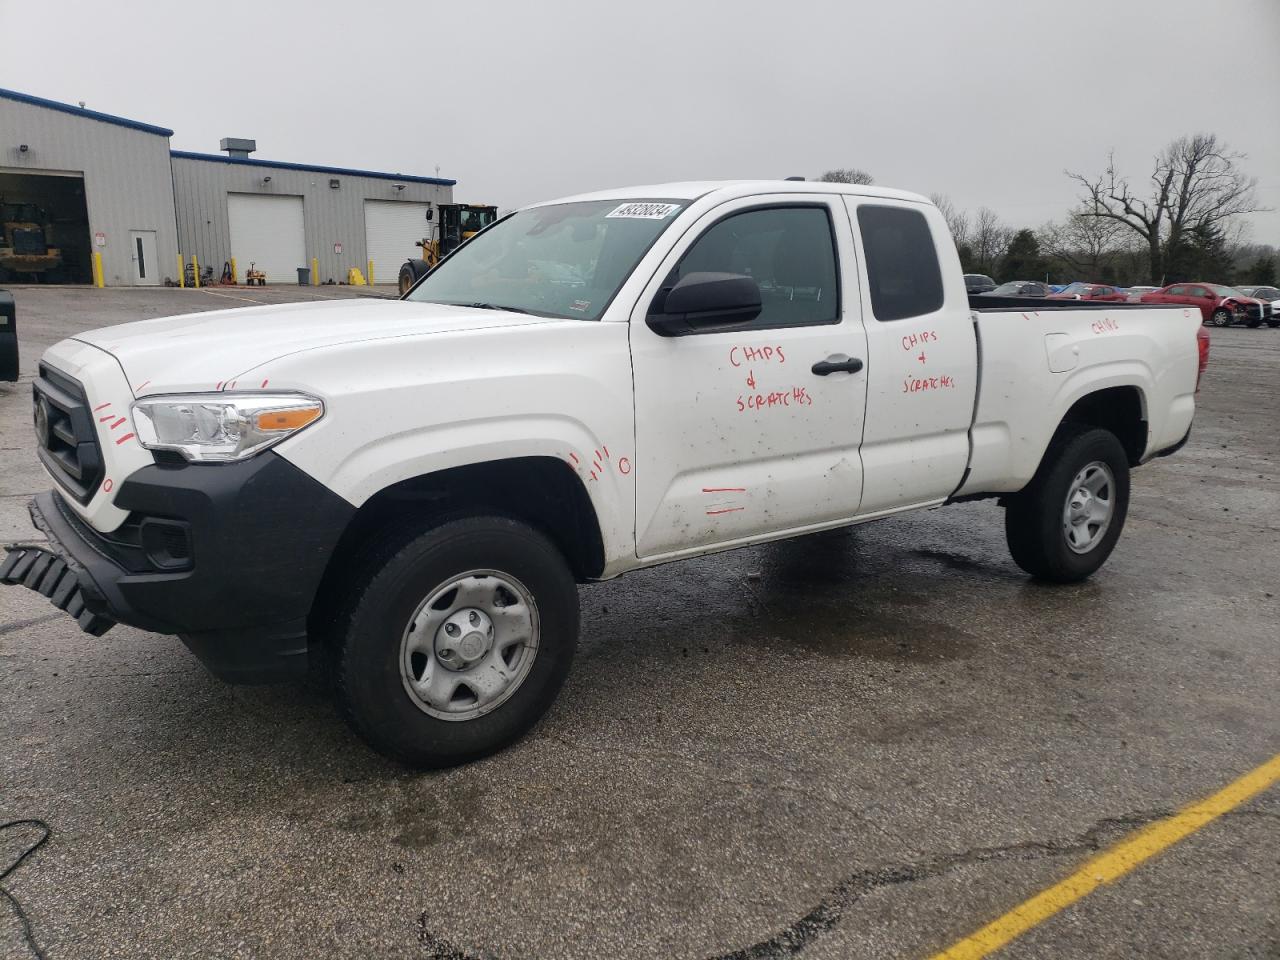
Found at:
[495, 306]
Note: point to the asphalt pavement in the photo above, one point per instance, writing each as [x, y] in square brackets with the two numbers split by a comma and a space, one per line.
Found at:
[861, 744]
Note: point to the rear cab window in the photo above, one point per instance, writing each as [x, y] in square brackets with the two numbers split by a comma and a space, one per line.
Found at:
[903, 274]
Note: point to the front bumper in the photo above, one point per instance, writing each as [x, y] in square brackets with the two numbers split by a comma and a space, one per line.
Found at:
[227, 556]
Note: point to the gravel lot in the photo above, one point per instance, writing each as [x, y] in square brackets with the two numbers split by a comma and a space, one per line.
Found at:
[855, 745]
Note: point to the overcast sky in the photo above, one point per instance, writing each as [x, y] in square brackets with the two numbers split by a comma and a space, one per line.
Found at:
[987, 102]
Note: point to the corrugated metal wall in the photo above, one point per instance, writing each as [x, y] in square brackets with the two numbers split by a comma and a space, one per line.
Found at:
[127, 183]
[331, 216]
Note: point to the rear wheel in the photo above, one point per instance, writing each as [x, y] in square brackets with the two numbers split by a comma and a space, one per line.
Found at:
[1221, 318]
[454, 642]
[1064, 524]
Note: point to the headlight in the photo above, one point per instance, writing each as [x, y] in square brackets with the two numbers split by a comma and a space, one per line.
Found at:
[220, 426]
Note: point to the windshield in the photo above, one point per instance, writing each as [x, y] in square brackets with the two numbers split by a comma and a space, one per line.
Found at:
[562, 260]
[1010, 288]
[1078, 288]
[1224, 291]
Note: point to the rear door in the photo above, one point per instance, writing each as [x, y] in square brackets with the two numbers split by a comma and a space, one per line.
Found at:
[737, 436]
[921, 355]
[1204, 298]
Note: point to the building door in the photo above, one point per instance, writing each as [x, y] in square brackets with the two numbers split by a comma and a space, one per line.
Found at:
[142, 251]
[390, 230]
[267, 233]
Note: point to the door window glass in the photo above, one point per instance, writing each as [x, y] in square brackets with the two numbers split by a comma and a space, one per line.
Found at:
[788, 251]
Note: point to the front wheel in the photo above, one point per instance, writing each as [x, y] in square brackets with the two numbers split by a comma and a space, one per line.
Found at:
[1221, 318]
[454, 642]
[1064, 524]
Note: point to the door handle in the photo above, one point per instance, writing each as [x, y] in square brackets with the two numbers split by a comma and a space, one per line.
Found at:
[837, 363]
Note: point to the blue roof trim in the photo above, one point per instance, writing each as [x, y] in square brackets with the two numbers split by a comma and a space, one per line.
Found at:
[81, 112]
[281, 165]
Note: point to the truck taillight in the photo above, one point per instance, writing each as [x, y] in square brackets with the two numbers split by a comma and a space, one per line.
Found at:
[1202, 341]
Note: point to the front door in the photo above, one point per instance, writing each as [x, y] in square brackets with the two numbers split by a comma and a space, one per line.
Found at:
[737, 435]
[142, 251]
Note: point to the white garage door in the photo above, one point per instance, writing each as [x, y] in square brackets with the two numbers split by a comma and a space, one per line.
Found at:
[390, 230]
[267, 231]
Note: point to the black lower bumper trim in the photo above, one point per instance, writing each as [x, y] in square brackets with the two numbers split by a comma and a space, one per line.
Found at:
[257, 536]
[49, 575]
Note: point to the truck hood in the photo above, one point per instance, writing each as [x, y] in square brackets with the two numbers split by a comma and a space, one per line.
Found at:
[208, 351]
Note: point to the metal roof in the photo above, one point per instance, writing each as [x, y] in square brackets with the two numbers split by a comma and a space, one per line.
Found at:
[82, 112]
[281, 165]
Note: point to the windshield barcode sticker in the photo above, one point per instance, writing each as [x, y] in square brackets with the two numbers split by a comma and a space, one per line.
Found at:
[645, 211]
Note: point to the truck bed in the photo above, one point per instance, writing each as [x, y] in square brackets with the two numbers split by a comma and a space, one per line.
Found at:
[1038, 357]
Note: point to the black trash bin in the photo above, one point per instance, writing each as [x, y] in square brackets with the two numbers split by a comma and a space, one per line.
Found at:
[8, 337]
[304, 276]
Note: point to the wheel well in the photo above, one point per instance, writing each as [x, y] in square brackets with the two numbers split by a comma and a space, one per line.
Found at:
[1118, 409]
[541, 491]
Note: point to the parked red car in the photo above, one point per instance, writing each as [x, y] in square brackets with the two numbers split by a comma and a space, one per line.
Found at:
[1090, 291]
[1219, 305]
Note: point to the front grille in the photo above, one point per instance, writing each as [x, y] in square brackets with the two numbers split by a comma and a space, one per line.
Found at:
[67, 442]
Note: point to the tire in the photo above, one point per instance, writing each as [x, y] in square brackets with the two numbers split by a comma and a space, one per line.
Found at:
[1221, 318]
[1254, 324]
[406, 279]
[385, 687]
[1273, 324]
[1037, 518]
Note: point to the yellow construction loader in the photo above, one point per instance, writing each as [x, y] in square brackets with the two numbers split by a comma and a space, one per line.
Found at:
[455, 224]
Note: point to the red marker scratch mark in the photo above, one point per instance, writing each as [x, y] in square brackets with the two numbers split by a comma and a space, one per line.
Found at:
[1025, 317]
[231, 385]
[127, 436]
[107, 485]
[141, 385]
[724, 489]
[606, 453]
[716, 513]
[118, 422]
[106, 418]
[624, 466]
[597, 454]
[574, 457]
[102, 406]
[593, 475]
[596, 464]
[219, 386]
[264, 385]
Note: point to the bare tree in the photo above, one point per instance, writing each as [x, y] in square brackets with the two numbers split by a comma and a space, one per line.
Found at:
[989, 241]
[1195, 183]
[847, 175]
[1086, 245]
[957, 219]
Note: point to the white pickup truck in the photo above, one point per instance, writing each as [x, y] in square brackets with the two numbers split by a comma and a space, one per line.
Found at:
[409, 491]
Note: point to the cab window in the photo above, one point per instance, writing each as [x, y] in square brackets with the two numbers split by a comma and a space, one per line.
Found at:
[903, 274]
[790, 253]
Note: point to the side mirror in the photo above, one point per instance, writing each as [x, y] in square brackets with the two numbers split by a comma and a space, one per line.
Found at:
[706, 301]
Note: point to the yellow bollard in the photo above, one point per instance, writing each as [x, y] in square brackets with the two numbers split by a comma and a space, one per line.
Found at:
[371, 273]
[315, 272]
[195, 270]
[235, 274]
[97, 270]
[182, 274]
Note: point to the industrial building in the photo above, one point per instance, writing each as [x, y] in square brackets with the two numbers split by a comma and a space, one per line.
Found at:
[76, 182]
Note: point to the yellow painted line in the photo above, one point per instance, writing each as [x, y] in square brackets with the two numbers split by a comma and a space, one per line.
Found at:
[1112, 864]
